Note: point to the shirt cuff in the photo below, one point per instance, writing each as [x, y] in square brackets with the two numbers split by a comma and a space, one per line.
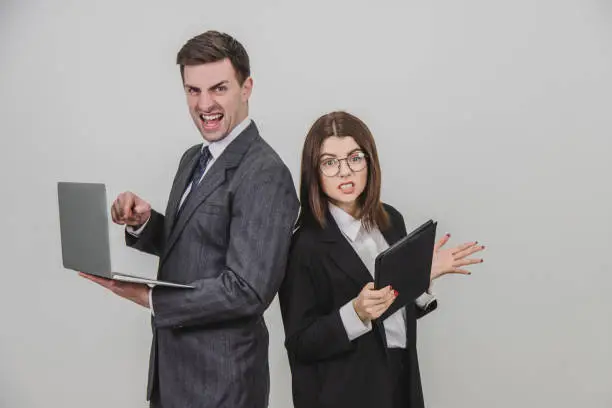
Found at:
[352, 323]
[130, 230]
[151, 301]
[425, 300]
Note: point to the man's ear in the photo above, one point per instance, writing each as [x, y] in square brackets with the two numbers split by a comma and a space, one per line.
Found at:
[247, 88]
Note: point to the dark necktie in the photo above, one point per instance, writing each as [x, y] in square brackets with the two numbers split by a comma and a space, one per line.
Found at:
[205, 157]
[198, 171]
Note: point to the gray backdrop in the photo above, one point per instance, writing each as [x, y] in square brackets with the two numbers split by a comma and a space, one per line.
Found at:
[492, 117]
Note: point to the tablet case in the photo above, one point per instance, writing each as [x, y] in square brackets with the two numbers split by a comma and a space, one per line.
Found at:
[406, 266]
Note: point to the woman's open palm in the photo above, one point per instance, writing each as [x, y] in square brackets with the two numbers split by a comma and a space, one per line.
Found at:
[453, 260]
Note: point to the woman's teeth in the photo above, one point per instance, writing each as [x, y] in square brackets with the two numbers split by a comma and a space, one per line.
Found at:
[346, 186]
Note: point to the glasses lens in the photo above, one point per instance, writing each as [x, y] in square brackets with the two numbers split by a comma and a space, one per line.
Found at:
[330, 167]
[356, 161]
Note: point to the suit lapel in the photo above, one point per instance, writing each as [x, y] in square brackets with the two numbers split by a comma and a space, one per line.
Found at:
[178, 188]
[343, 255]
[214, 177]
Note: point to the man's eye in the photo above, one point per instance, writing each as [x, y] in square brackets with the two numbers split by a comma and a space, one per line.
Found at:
[192, 91]
[221, 88]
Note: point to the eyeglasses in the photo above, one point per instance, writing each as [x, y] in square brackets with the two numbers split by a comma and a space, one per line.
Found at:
[330, 166]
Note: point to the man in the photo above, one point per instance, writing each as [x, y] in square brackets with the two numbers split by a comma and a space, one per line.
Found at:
[226, 231]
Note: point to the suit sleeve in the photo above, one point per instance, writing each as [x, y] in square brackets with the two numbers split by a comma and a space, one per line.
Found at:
[312, 334]
[151, 239]
[423, 311]
[264, 210]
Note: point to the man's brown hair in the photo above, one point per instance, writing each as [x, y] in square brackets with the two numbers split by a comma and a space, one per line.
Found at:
[213, 46]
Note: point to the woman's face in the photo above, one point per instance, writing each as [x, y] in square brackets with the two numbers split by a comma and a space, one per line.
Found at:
[345, 184]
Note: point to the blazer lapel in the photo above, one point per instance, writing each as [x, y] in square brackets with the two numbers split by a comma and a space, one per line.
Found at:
[343, 255]
[178, 188]
[214, 177]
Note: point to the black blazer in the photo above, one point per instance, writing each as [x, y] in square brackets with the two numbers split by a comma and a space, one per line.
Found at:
[328, 370]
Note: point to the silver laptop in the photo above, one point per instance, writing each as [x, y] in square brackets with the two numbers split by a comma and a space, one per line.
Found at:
[84, 232]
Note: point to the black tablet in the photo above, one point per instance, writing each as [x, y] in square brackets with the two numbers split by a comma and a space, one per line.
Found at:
[406, 266]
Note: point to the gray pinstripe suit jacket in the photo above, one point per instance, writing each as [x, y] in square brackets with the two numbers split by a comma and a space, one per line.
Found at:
[231, 240]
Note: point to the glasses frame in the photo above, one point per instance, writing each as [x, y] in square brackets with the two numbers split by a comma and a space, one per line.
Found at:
[339, 167]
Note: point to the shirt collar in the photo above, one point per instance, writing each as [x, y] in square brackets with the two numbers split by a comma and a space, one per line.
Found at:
[217, 147]
[348, 225]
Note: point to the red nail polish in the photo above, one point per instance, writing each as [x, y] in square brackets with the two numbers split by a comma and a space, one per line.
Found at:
[396, 293]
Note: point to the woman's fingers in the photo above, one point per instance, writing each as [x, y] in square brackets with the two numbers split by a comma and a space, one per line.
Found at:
[379, 299]
[368, 286]
[441, 242]
[468, 251]
[373, 303]
[377, 294]
[377, 311]
[458, 250]
[466, 262]
[461, 271]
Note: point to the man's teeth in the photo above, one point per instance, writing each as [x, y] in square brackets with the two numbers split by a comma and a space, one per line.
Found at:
[207, 118]
[345, 186]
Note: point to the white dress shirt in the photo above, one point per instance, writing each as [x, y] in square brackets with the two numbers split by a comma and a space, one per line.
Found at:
[367, 245]
[216, 149]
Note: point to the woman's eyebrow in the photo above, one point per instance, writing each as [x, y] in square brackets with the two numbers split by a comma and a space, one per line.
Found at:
[357, 149]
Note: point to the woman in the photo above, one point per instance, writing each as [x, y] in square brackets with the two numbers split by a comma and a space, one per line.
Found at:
[340, 353]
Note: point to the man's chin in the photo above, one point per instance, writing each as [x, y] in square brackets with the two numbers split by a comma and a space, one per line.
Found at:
[213, 136]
